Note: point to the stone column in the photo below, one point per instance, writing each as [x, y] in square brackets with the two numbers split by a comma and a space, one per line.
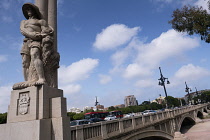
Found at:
[48, 9]
[52, 18]
[52, 21]
[121, 127]
[43, 7]
[103, 130]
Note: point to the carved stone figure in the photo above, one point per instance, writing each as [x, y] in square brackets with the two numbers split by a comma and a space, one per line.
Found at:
[40, 60]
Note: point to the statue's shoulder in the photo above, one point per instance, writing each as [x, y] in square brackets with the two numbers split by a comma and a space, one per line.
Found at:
[23, 22]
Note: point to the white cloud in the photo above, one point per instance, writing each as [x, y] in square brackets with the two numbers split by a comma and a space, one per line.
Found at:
[168, 44]
[77, 71]
[161, 3]
[3, 58]
[146, 83]
[124, 55]
[134, 70]
[149, 56]
[190, 72]
[104, 79]
[4, 98]
[114, 36]
[203, 3]
[120, 56]
[71, 89]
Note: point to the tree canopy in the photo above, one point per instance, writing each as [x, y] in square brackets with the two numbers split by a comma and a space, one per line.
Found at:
[193, 20]
[173, 102]
[3, 118]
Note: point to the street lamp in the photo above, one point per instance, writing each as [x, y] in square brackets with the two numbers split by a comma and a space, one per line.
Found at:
[187, 89]
[162, 83]
[197, 95]
[96, 102]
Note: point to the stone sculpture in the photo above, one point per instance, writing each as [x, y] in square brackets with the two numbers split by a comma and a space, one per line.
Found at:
[39, 58]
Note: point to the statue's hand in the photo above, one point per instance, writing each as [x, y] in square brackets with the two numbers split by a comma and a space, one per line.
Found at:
[38, 35]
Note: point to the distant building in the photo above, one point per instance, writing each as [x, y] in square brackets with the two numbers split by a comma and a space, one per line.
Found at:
[106, 108]
[191, 95]
[100, 107]
[88, 108]
[120, 106]
[75, 110]
[159, 100]
[130, 101]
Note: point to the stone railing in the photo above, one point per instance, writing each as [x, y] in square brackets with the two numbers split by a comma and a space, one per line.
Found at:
[107, 129]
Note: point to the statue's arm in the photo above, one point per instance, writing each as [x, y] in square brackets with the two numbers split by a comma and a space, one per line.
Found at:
[27, 33]
[46, 29]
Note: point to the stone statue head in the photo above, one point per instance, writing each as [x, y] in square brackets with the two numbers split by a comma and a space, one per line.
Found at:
[32, 7]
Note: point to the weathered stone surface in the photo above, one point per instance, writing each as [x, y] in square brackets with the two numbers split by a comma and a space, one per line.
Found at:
[39, 58]
[28, 130]
[44, 103]
[37, 109]
[60, 128]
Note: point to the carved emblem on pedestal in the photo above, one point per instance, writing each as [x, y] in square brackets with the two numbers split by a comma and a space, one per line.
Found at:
[23, 104]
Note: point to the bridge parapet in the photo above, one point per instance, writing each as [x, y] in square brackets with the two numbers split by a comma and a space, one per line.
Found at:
[114, 128]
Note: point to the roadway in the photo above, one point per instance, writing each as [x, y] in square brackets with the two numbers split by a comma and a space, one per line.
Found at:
[200, 131]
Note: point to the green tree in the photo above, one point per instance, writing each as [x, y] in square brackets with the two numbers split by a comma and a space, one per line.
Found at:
[145, 103]
[3, 118]
[126, 110]
[155, 106]
[111, 108]
[88, 110]
[193, 20]
[205, 96]
[173, 102]
[78, 116]
[71, 115]
[183, 102]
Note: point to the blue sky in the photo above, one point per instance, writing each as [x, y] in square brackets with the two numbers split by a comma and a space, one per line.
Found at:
[110, 49]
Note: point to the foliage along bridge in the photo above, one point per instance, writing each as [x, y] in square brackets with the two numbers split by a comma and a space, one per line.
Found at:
[160, 125]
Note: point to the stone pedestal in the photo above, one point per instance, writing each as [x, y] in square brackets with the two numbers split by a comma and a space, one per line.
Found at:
[36, 113]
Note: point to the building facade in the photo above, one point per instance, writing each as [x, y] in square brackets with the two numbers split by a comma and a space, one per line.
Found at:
[100, 107]
[75, 110]
[159, 100]
[130, 101]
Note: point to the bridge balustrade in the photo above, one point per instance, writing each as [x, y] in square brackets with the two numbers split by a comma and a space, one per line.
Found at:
[154, 117]
[108, 129]
[139, 121]
[73, 133]
[127, 123]
[165, 114]
[146, 119]
[112, 127]
[90, 132]
[159, 115]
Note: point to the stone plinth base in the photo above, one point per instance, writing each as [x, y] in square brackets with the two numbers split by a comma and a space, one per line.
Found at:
[36, 113]
[28, 130]
[37, 102]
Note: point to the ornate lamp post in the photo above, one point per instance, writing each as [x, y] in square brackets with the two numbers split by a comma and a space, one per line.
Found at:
[197, 94]
[96, 103]
[187, 89]
[162, 83]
